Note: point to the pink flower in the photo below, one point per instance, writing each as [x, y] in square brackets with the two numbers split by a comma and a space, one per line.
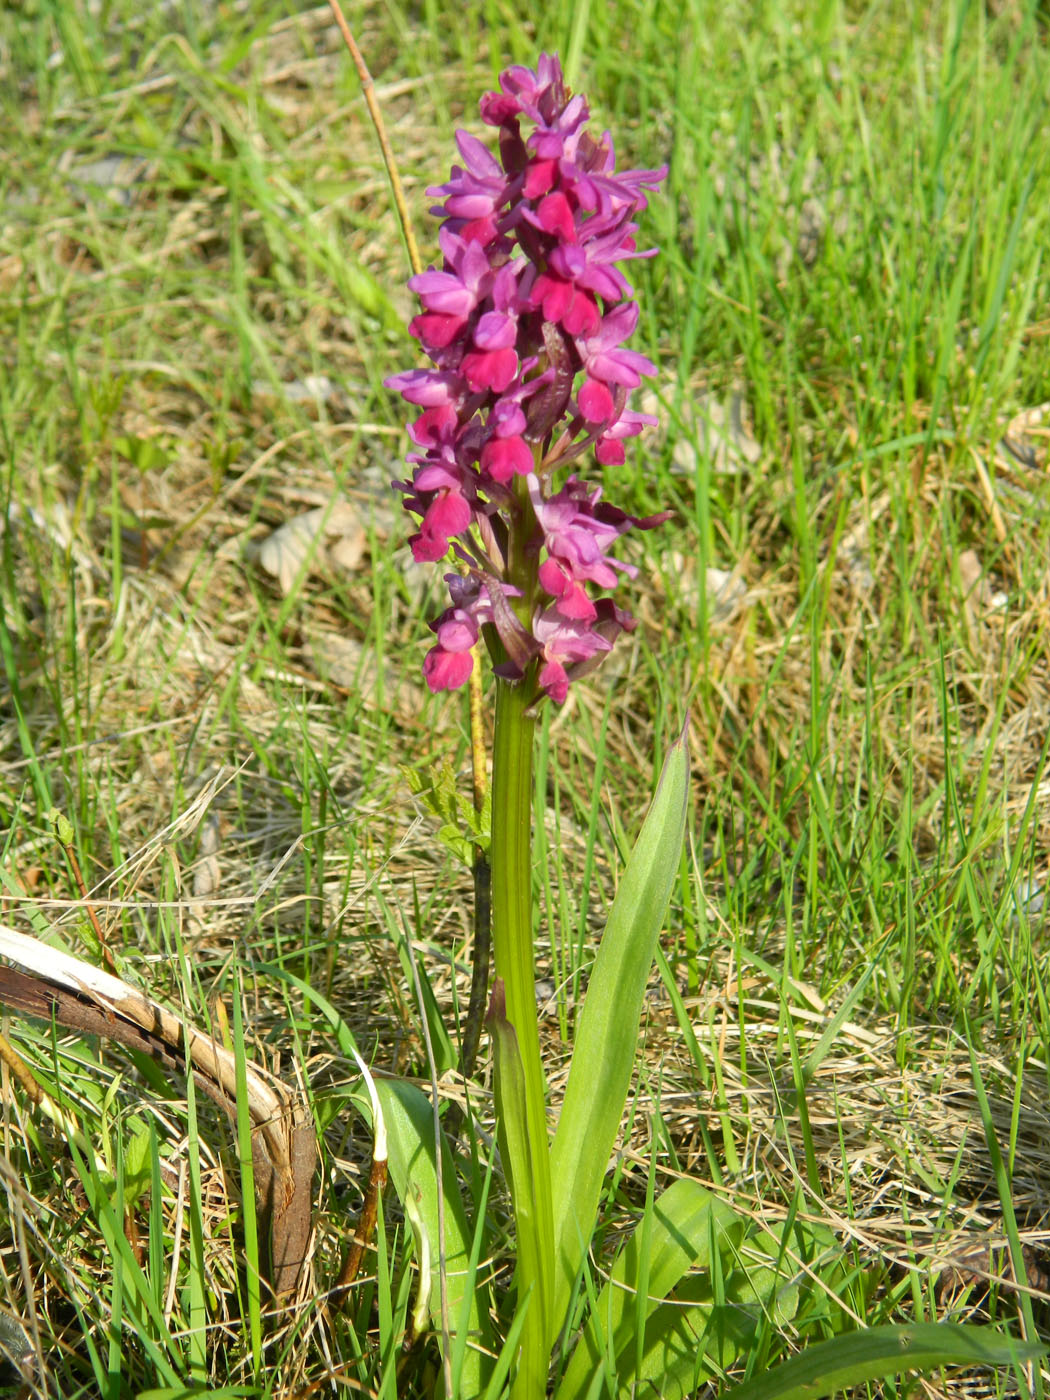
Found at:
[578, 532]
[605, 362]
[428, 387]
[505, 457]
[609, 447]
[527, 92]
[475, 194]
[566, 643]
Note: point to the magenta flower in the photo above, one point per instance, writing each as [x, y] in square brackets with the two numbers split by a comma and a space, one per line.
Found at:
[449, 664]
[473, 195]
[525, 323]
[605, 363]
[566, 643]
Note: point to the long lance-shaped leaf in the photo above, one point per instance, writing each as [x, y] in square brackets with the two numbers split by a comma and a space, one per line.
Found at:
[409, 1120]
[603, 1058]
[686, 1222]
[852, 1360]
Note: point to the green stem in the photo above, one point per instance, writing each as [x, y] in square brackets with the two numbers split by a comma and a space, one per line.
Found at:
[513, 954]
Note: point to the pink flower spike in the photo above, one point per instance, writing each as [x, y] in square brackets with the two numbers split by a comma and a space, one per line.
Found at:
[525, 323]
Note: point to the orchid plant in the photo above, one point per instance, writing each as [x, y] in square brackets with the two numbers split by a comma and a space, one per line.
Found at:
[525, 324]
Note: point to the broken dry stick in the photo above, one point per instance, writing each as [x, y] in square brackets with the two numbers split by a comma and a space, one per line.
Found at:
[58, 986]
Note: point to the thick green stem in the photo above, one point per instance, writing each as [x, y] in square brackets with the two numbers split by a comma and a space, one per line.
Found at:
[513, 955]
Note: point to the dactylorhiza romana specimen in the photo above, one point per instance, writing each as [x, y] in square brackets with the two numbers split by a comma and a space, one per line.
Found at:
[525, 324]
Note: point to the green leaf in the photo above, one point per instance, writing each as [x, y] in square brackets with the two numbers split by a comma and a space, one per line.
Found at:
[138, 1166]
[190, 1392]
[603, 1058]
[409, 1122]
[686, 1221]
[727, 1278]
[343, 1034]
[858, 1357]
[685, 1347]
[146, 454]
[462, 829]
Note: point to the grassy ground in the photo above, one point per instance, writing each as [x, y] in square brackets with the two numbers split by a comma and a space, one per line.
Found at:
[201, 290]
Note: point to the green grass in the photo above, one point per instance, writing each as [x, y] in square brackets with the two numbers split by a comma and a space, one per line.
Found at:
[853, 1023]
